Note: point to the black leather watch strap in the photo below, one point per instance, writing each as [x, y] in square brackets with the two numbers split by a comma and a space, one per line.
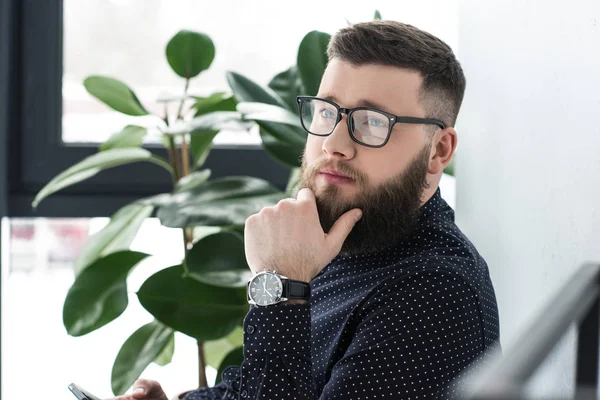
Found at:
[296, 289]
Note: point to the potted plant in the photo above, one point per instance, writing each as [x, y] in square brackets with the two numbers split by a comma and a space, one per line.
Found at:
[204, 295]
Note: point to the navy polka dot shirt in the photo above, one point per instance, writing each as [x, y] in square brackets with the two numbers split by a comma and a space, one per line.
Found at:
[403, 323]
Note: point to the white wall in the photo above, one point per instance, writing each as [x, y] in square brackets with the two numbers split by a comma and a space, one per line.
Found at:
[528, 169]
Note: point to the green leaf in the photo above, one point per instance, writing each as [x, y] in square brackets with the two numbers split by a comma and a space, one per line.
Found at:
[292, 182]
[114, 94]
[192, 180]
[286, 153]
[166, 356]
[138, 351]
[288, 86]
[216, 350]
[165, 140]
[236, 337]
[202, 311]
[218, 101]
[221, 202]
[219, 120]
[377, 15]
[216, 120]
[245, 89]
[190, 53]
[234, 357]
[219, 260]
[93, 164]
[202, 231]
[266, 112]
[130, 136]
[312, 60]
[200, 145]
[99, 293]
[117, 235]
[287, 134]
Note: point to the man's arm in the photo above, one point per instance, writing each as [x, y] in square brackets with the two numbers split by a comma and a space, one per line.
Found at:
[414, 336]
[277, 358]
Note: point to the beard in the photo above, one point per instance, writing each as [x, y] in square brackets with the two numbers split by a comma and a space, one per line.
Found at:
[390, 210]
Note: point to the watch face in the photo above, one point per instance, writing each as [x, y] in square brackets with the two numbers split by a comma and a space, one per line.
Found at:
[265, 289]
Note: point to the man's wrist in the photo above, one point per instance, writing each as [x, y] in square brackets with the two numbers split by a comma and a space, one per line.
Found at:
[295, 301]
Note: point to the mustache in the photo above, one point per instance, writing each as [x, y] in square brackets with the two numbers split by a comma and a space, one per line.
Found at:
[313, 169]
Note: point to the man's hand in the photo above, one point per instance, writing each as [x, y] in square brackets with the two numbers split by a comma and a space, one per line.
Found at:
[144, 389]
[288, 238]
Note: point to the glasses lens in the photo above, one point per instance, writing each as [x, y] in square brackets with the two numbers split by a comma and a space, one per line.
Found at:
[370, 127]
[318, 116]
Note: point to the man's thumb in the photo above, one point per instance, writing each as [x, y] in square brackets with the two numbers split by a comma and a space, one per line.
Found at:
[343, 226]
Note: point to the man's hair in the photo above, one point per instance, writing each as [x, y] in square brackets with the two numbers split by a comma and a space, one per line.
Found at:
[400, 45]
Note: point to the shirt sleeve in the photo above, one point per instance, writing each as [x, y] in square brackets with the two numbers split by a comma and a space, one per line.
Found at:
[227, 389]
[412, 337]
[277, 358]
[277, 361]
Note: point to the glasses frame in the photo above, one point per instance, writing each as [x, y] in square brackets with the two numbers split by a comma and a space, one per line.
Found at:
[393, 119]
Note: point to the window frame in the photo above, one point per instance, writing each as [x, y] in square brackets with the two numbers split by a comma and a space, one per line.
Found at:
[39, 153]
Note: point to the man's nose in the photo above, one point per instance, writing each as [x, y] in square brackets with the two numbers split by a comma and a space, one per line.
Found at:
[339, 143]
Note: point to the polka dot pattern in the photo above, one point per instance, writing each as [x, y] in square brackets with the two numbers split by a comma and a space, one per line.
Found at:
[400, 323]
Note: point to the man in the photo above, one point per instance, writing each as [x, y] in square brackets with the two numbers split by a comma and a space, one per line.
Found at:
[401, 302]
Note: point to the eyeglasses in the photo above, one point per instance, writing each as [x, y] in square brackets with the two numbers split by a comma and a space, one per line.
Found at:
[367, 126]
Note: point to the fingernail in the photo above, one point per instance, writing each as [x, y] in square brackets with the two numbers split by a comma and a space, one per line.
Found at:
[358, 215]
[139, 390]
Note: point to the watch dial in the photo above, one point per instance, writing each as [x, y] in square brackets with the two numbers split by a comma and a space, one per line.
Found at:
[265, 289]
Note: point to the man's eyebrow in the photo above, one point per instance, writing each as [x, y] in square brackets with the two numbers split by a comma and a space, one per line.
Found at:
[361, 103]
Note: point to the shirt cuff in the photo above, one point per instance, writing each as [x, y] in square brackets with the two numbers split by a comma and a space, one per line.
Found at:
[277, 329]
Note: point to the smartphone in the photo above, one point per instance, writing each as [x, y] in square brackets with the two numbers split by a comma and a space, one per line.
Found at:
[80, 393]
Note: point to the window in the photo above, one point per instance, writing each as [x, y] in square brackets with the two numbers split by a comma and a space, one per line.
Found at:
[126, 39]
[256, 39]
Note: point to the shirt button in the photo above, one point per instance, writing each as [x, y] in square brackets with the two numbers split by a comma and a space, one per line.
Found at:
[244, 393]
[250, 329]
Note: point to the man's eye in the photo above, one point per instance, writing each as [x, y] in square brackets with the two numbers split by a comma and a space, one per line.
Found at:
[377, 123]
[327, 113]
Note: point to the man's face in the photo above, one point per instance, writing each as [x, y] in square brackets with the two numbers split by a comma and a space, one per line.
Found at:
[387, 183]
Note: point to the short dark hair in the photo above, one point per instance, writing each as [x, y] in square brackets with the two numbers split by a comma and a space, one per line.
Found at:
[405, 46]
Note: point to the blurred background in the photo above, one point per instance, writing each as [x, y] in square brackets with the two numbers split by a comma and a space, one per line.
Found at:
[525, 188]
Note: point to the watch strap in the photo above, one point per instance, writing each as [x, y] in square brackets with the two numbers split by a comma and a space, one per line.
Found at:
[296, 289]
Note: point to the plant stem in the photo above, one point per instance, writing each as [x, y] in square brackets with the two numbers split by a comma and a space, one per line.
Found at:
[187, 85]
[185, 156]
[166, 116]
[188, 232]
[202, 365]
[174, 155]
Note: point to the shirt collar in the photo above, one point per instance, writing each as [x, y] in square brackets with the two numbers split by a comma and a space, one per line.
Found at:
[436, 206]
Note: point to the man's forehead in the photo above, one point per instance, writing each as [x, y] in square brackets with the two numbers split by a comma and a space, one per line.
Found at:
[391, 89]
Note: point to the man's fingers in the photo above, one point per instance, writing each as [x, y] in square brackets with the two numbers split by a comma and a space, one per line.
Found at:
[147, 389]
[342, 228]
[139, 393]
[141, 388]
[306, 194]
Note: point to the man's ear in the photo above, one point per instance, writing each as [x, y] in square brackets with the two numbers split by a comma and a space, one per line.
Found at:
[442, 149]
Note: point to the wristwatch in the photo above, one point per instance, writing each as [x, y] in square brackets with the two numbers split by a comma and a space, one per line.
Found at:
[268, 287]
